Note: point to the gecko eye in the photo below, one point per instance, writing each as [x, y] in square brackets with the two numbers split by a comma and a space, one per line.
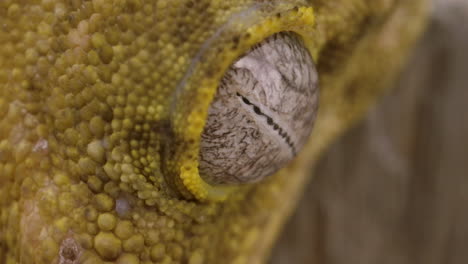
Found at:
[262, 114]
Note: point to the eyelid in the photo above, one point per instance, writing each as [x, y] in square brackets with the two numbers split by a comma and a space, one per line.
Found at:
[192, 100]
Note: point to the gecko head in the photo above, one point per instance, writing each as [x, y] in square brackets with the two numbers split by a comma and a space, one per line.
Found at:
[108, 110]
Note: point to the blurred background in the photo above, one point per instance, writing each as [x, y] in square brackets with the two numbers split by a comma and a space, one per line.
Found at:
[394, 189]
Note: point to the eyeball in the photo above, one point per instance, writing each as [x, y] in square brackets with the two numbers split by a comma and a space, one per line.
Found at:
[262, 114]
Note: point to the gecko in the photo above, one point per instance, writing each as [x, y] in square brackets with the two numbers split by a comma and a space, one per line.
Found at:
[102, 107]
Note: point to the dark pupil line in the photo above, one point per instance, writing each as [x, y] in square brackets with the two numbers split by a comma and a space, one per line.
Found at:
[271, 123]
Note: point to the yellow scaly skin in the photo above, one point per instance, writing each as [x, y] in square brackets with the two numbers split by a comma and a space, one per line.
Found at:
[102, 104]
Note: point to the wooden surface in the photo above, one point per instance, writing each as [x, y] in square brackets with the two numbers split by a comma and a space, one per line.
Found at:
[395, 188]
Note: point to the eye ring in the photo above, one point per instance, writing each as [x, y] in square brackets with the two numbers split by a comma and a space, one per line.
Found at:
[180, 146]
[262, 114]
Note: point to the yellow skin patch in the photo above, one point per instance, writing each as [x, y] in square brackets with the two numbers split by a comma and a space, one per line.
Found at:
[102, 104]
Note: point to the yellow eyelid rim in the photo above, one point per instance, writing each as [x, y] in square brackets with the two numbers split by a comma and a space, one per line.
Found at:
[299, 20]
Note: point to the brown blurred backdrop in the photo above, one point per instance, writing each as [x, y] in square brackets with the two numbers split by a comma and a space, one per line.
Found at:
[394, 189]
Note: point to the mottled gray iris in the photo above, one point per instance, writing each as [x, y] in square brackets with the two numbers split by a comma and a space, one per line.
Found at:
[262, 114]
